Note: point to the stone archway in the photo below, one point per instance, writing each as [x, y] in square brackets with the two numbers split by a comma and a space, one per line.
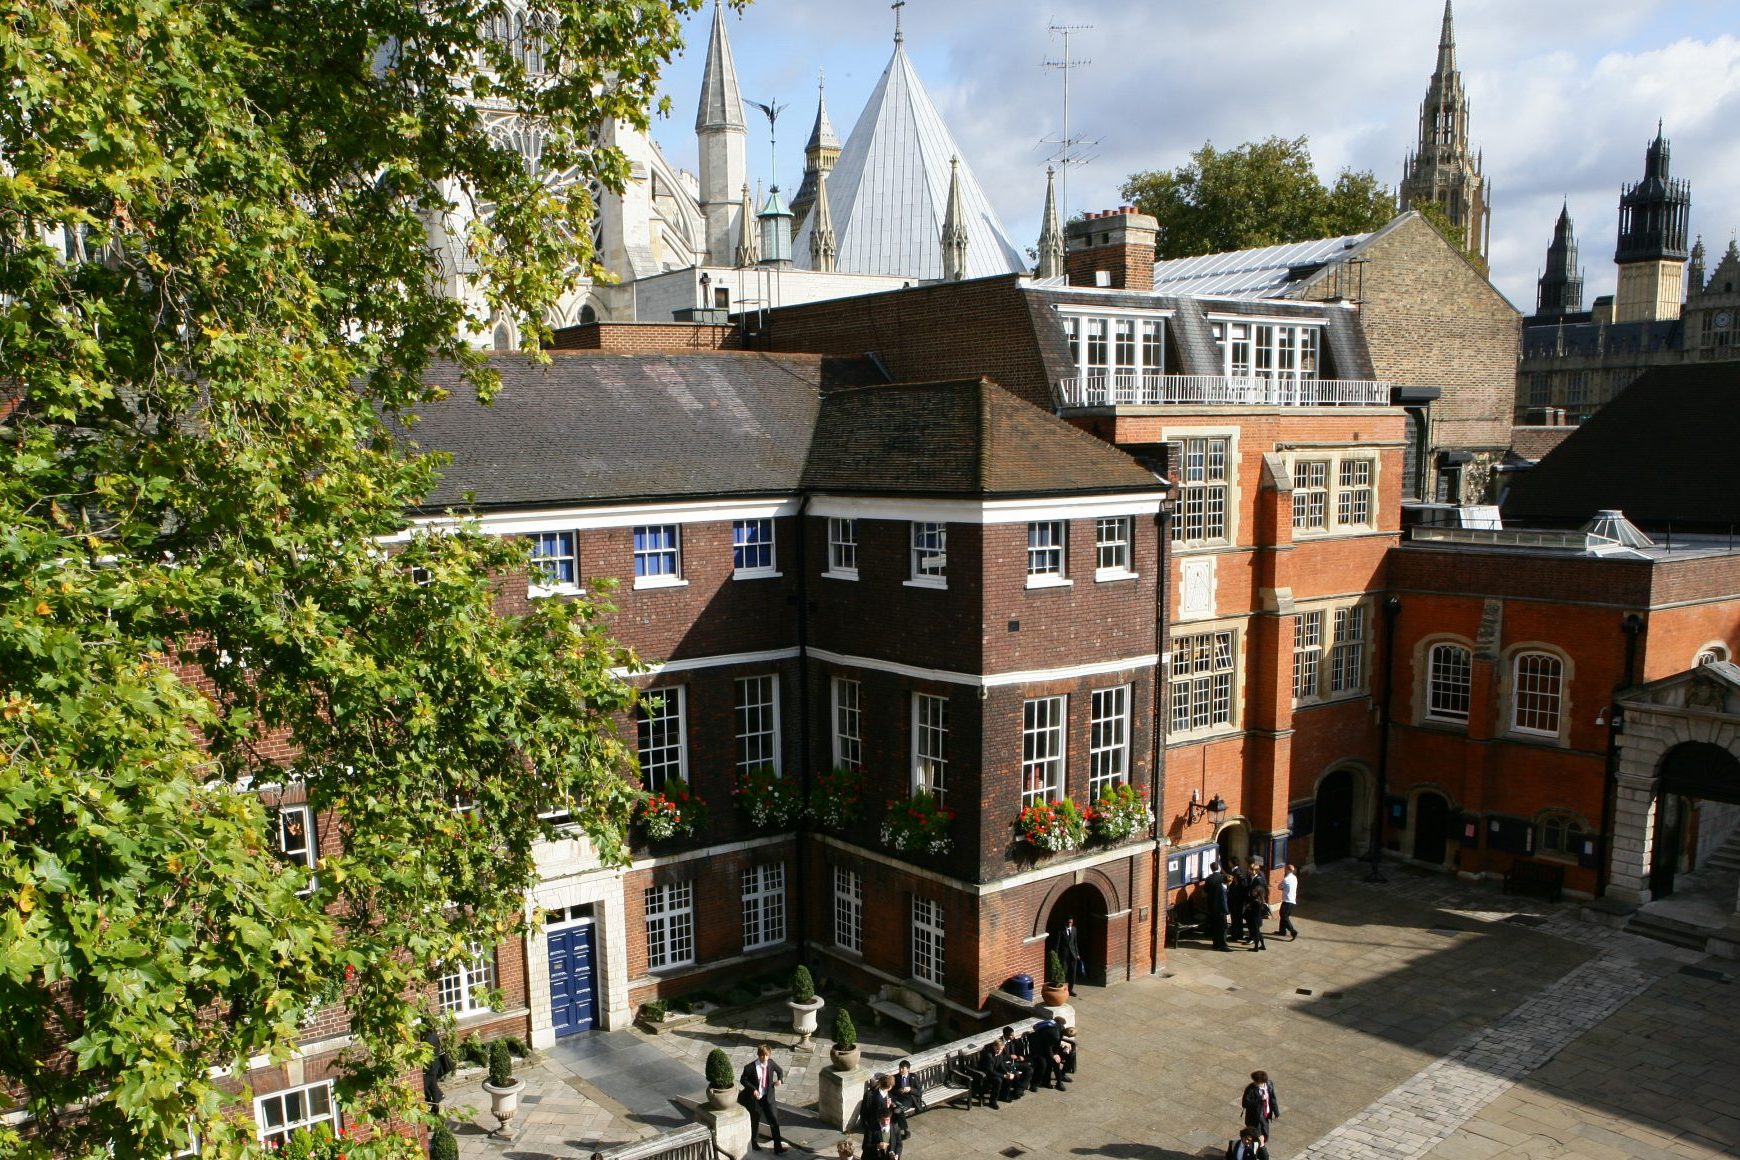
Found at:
[1234, 840]
[1679, 743]
[1087, 905]
[1341, 814]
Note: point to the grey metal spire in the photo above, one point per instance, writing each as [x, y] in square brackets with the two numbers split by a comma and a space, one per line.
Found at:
[822, 136]
[748, 253]
[1050, 233]
[721, 104]
[954, 228]
[824, 252]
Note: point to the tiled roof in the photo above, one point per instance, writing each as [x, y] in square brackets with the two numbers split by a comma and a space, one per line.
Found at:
[964, 438]
[1267, 272]
[590, 427]
[889, 188]
[1662, 452]
[1533, 443]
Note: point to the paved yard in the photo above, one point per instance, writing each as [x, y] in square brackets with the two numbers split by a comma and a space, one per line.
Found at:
[1421, 1017]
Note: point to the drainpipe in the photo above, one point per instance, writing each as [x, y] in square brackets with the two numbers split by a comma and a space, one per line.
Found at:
[1632, 627]
[1157, 733]
[1392, 610]
[801, 846]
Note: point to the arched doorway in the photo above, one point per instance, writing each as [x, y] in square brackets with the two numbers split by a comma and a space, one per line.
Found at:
[1431, 828]
[1332, 833]
[1084, 903]
[1691, 770]
[1235, 844]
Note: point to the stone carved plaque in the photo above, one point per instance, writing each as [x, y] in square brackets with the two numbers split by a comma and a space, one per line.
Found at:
[1491, 624]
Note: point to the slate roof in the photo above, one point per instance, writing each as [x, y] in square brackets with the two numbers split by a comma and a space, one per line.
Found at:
[592, 426]
[1601, 339]
[1662, 452]
[965, 438]
[1533, 443]
[1266, 272]
[890, 184]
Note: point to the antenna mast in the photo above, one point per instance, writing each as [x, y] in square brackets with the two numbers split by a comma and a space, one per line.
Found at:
[1066, 154]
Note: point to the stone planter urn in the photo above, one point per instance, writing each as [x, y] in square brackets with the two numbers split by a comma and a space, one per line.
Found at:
[504, 1102]
[1054, 995]
[845, 1058]
[803, 1016]
[721, 1098]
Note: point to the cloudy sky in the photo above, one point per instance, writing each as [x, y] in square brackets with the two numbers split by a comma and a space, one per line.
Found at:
[1564, 95]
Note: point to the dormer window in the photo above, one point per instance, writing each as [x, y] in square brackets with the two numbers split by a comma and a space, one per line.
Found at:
[1118, 357]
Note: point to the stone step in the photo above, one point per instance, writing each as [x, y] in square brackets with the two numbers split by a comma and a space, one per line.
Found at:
[1667, 930]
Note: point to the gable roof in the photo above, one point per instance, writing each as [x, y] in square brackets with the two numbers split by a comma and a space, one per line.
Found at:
[592, 426]
[1661, 452]
[964, 438]
[890, 185]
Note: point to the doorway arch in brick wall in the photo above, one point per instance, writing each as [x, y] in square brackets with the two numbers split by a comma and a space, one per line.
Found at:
[1678, 744]
[1090, 898]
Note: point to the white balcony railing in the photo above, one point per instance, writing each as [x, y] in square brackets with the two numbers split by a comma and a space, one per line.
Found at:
[1148, 390]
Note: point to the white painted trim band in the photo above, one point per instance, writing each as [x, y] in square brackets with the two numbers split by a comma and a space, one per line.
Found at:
[990, 680]
[686, 664]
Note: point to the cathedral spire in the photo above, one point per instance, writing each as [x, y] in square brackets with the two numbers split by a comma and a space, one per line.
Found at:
[1442, 168]
[954, 228]
[1447, 43]
[820, 154]
[1561, 285]
[721, 134]
[1050, 233]
[824, 252]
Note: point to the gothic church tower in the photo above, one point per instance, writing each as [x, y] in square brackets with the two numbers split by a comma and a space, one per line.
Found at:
[1654, 219]
[722, 136]
[1441, 169]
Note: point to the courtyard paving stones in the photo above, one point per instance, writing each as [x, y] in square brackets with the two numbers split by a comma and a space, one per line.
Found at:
[1414, 1018]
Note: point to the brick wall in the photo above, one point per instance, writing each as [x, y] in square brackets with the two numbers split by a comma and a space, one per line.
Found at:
[647, 337]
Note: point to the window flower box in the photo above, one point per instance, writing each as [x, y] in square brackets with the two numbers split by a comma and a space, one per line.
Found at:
[1118, 813]
[672, 812]
[834, 797]
[918, 825]
[1052, 826]
[770, 801]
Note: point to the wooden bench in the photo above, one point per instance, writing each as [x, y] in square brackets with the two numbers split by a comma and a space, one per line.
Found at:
[950, 1074]
[905, 1005]
[1541, 879]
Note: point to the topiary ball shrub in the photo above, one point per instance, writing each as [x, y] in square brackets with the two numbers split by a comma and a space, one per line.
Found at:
[719, 1074]
[442, 1145]
[501, 1064]
[803, 986]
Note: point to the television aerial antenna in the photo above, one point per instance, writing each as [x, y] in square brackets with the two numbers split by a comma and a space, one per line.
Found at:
[1070, 150]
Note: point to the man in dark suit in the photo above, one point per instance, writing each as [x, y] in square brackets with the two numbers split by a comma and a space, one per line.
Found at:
[1067, 944]
[759, 1079]
[1238, 885]
[908, 1092]
[1016, 1061]
[882, 1139]
[1047, 1039]
[1218, 904]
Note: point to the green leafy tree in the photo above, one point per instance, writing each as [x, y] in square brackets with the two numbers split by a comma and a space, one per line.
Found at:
[217, 308]
[1439, 219]
[1262, 193]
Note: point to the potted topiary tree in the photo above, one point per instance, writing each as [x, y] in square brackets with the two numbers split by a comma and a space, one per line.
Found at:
[803, 1003]
[845, 1052]
[504, 1090]
[721, 1081]
[442, 1145]
[1054, 992]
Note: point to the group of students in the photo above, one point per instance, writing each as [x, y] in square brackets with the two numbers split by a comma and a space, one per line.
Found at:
[886, 1107]
[1240, 898]
[1012, 1065]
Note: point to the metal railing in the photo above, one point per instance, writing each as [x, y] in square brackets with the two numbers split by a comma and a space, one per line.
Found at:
[1510, 538]
[694, 1142]
[1112, 389]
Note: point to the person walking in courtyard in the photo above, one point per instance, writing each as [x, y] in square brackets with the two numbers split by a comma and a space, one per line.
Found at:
[1238, 885]
[760, 1077]
[1068, 949]
[1261, 1106]
[1218, 904]
[1289, 899]
[883, 1139]
[1256, 903]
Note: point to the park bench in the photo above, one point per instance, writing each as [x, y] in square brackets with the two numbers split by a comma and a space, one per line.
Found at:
[905, 1005]
[1541, 879]
[950, 1074]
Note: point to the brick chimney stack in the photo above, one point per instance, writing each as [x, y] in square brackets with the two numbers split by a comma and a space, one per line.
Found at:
[1112, 248]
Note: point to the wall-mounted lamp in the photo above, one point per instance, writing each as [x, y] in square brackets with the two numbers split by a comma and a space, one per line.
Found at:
[1215, 810]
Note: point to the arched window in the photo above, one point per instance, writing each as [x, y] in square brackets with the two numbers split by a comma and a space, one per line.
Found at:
[1449, 681]
[1711, 653]
[1536, 687]
[534, 46]
[519, 41]
[504, 339]
[1560, 833]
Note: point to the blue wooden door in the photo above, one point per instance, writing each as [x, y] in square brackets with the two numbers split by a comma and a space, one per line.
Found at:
[573, 997]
